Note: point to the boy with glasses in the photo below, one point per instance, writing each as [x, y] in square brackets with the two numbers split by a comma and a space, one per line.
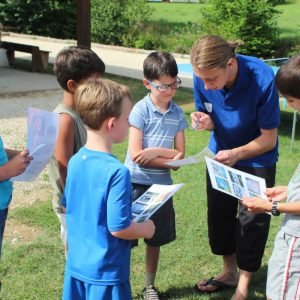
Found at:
[156, 136]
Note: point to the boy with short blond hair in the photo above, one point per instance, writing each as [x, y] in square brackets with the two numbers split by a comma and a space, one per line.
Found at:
[156, 137]
[98, 198]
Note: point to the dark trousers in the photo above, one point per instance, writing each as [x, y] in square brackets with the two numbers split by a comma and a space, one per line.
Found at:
[233, 229]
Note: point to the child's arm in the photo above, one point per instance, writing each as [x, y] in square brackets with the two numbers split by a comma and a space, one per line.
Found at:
[154, 156]
[136, 230]
[259, 205]
[64, 148]
[16, 165]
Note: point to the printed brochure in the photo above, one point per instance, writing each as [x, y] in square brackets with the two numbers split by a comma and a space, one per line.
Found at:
[148, 203]
[234, 182]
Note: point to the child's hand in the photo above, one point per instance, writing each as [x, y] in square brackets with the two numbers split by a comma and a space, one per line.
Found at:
[18, 164]
[178, 156]
[277, 193]
[256, 204]
[144, 156]
[149, 229]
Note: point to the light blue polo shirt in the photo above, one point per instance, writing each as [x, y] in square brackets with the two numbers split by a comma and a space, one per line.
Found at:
[6, 186]
[239, 113]
[159, 130]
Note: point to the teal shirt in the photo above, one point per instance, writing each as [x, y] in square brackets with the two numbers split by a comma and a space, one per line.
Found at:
[6, 186]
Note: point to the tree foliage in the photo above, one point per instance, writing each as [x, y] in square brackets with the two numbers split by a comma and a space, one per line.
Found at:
[118, 22]
[40, 17]
[251, 23]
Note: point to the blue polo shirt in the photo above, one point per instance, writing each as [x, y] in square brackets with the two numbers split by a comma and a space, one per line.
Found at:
[239, 113]
[159, 130]
[6, 186]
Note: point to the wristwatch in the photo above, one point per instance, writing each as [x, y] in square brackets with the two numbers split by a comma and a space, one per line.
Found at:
[275, 211]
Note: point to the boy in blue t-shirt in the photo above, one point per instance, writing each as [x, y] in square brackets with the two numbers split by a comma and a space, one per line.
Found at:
[12, 163]
[156, 137]
[97, 197]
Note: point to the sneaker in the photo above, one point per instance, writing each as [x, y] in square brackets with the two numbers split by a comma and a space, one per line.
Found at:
[150, 293]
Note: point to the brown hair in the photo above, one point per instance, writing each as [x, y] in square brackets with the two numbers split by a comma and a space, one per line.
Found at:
[287, 79]
[97, 99]
[211, 51]
[76, 63]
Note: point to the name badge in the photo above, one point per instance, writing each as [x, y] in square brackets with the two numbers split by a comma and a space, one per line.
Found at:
[208, 106]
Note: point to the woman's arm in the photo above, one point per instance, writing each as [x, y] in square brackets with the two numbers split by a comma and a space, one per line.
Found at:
[265, 142]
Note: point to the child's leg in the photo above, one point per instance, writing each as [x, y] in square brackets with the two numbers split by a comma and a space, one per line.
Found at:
[3, 216]
[283, 279]
[152, 256]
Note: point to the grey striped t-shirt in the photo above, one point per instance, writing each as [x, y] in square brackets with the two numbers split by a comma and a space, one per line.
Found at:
[159, 130]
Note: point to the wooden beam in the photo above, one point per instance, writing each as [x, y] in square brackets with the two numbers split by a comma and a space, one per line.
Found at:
[84, 23]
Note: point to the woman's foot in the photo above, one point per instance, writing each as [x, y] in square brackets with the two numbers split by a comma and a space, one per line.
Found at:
[217, 283]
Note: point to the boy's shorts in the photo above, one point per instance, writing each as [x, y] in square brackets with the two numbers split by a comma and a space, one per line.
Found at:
[283, 280]
[163, 218]
[78, 290]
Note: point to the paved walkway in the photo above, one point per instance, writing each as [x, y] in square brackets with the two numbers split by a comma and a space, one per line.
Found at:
[118, 60]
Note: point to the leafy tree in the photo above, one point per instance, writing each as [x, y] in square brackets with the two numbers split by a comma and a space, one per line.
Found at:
[252, 23]
[118, 22]
[42, 17]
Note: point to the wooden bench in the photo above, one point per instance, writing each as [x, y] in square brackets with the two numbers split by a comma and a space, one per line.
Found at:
[39, 57]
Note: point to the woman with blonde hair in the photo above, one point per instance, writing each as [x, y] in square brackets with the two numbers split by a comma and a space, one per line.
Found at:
[235, 99]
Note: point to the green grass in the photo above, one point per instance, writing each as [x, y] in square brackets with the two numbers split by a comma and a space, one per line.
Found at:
[169, 18]
[35, 270]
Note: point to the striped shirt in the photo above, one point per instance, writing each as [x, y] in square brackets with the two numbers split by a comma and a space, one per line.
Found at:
[159, 130]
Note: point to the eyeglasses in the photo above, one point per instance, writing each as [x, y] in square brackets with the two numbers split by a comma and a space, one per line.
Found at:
[164, 87]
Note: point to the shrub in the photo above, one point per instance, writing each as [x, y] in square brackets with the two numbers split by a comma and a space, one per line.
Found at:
[40, 17]
[253, 23]
[118, 22]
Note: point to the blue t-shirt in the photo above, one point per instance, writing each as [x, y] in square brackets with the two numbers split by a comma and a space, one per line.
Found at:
[6, 186]
[239, 113]
[97, 197]
[159, 130]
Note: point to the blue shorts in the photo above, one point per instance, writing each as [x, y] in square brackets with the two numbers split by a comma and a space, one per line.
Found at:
[75, 289]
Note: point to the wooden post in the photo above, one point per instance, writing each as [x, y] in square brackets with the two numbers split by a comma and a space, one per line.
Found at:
[84, 23]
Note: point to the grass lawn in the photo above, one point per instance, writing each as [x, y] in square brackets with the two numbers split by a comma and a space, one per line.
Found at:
[35, 270]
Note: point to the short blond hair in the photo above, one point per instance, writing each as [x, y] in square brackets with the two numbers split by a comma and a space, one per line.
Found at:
[212, 51]
[98, 99]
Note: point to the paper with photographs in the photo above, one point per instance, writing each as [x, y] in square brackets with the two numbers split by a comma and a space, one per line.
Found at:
[234, 182]
[42, 131]
[148, 203]
[192, 159]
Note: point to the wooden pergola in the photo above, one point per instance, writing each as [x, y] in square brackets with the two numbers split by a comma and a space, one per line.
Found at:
[84, 23]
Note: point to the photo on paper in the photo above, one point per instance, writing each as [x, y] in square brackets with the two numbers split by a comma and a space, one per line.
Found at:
[138, 208]
[253, 195]
[239, 191]
[219, 170]
[223, 184]
[253, 186]
[236, 178]
[146, 198]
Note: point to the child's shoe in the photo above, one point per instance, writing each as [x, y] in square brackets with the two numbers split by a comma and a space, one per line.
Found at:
[150, 293]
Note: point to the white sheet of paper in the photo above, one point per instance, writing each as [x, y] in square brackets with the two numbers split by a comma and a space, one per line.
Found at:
[148, 203]
[192, 159]
[42, 131]
[234, 182]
